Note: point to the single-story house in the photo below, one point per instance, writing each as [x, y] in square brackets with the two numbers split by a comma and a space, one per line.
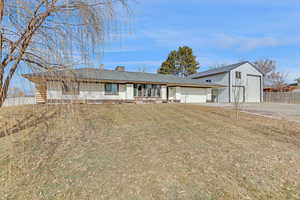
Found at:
[243, 81]
[90, 85]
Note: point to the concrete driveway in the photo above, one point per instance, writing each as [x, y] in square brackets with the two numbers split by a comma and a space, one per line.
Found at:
[276, 110]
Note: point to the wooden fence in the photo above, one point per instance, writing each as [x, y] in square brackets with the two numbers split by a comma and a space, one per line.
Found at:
[282, 97]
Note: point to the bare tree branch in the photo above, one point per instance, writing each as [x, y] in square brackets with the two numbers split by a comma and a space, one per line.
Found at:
[50, 33]
[1, 9]
[272, 78]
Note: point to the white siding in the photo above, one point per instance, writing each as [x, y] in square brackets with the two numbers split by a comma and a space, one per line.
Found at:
[129, 92]
[88, 91]
[238, 94]
[229, 90]
[209, 94]
[178, 93]
[164, 92]
[222, 79]
[250, 94]
[253, 89]
[172, 93]
[193, 95]
[96, 91]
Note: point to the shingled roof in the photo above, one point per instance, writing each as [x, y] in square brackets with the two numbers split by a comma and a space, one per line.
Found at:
[92, 74]
[220, 70]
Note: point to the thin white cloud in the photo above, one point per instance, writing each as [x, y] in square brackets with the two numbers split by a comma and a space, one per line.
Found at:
[171, 38]
[250, 43]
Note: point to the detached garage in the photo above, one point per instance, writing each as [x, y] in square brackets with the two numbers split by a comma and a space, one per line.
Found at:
[243, 81]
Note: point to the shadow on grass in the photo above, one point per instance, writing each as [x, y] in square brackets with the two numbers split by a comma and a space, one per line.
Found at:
[28, 121]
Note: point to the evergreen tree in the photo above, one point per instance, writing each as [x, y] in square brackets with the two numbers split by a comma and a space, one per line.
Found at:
[180, 63]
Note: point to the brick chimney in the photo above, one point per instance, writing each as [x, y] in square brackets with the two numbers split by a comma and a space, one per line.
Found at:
[120, 68]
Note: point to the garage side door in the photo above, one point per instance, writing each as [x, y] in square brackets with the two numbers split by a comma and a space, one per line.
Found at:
[193, 95]
[253, 89]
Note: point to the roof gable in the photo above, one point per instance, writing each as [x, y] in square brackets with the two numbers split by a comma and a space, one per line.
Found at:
[224, 69]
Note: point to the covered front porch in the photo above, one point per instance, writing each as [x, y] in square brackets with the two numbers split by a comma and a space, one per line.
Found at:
[155, 93]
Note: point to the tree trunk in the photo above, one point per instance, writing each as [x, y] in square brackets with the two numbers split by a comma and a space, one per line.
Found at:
[32, 27]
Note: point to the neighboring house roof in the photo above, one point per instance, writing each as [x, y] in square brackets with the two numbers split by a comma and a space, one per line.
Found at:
[293, 84]
[92, 74]
[221, 70]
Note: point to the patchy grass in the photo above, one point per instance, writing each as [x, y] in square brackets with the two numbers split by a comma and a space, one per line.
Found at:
[146, 152]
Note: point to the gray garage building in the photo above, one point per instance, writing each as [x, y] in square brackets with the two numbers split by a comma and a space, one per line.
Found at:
[244, 83]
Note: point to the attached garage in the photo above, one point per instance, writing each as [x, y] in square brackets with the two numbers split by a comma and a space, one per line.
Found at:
[193, 95]
[253, 87]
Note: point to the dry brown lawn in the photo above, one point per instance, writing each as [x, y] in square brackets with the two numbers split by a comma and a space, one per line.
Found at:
[166, 151]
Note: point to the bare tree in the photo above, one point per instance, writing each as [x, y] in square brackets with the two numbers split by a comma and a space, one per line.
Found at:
[278, 79]
[238, 96]
[272, 78]
[47, 34]
[266, 66]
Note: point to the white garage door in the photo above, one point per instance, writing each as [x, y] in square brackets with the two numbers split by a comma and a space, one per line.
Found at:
[253, 89]
[193, 95]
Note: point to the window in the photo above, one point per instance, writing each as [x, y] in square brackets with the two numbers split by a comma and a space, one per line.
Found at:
[147, 90]
[70, 88]
[111, 89]
[208, 81]
[238, 75]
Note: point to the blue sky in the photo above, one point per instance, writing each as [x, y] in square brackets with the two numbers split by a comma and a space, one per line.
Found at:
[219, 31]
